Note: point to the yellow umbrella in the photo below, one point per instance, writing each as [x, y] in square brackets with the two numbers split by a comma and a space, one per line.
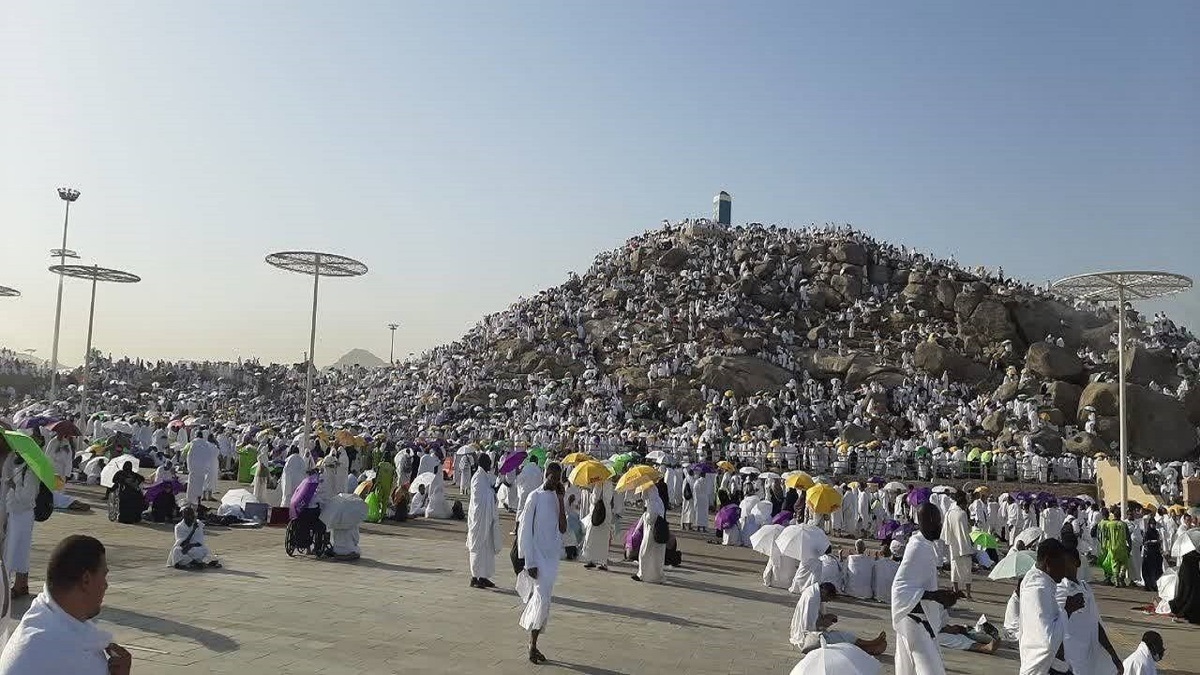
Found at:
[577, 458]
[823, 499]
[726, 465]
[798, 480]
[588, 473]
[633, 479]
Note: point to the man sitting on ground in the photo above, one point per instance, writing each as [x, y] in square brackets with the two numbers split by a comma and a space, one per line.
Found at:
[810, 623]
[189, 551]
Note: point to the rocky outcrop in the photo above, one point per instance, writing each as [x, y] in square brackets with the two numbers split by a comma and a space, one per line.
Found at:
[1158, 425]
[743, 375]
[1054, 363]
[856, 435]
[1064, 396]
[936, 359]
[1084, 444]
[1143, 366]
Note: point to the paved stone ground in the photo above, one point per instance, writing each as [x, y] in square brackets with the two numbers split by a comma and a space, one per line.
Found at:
[406, 607]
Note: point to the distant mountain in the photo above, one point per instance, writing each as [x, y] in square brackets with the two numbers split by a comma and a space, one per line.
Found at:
[359, 357]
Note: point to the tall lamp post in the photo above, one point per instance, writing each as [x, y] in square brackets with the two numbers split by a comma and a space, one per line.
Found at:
[68, 195]
[95, 274]
[317, 265]
[392, 352]
[1120, 287]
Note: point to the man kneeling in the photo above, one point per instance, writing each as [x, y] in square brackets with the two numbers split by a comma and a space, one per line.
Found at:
[189, 551]
[810, 623]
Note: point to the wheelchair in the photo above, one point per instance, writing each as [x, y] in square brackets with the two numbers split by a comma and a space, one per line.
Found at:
[308, 535]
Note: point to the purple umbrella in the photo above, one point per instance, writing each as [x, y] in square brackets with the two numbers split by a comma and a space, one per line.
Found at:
[784, 518]
[727, 517]
[37, 422]
[304, 494]
[633, 537]
[513, 461]
[171, 487]
[919, 496]
[887, 529]
[877, 480]
[704, 467]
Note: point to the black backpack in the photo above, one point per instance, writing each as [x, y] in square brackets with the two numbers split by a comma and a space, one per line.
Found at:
[687, 491]
[662, 531]
[599, 514]
[43, 508]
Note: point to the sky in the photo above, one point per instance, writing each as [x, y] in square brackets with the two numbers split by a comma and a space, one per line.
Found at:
[471, 153]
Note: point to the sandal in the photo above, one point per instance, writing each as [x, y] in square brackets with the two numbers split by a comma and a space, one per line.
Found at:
[536, 657]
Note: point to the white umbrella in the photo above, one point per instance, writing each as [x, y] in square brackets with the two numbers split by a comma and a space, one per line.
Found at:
[895, 486]
[768, 475]
[748, 471]
[111, 469]
[943, 489]
[119, 427]
[749, 503]
[764, 538]
[802, 542]
[239, 498]
[656, 456]
[1013, 566]
[1186, 544]
[425, 479]
[761, 512]
[839, 659]
[465, 450]
[1029, 536]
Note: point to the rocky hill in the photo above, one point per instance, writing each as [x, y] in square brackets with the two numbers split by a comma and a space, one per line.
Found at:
[654, 328]
[358, 357]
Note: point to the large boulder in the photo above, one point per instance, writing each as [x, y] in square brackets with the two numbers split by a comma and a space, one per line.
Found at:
[1048, 440]
[1191, 405]
[990, 320]
[1037, 319]
[994, 422]
[848, 287]
[936, 359]
[825, 364]
[1054, 363]
[674, 259]
[1065, 397]
[758, 415]
[856, 435]
[947, 291]
[744, 375]
[1158, 425]
[1143, 366]
[849, 252]
[1084, 444]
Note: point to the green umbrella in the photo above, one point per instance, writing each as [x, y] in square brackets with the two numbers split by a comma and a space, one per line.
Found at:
[984, 539]
[540, 454]
[922, 450]
[621, 462]
[37, 460]
[973, 455]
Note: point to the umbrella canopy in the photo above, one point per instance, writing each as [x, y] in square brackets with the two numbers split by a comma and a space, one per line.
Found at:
[425, 479]
[764, 538]
[111, 469]
[895, 486]
[637, 477]
[749, 471]
[540, 454]
[512, 462]
[823, 499]
[621, 461]
[839, 659]
[802, 542]
[588, 473]
[577, 458]
[1013, 566]
[919, 496]
[239, 498]
[37, 460]
[782, 518]
[36, 422]
[770, 475]
[728, 516]
[1185, 545]
[1029, 536]
[943, 490]
[984, 539]
[798, 480]
[119, 427]
[65, 428]
[464, 451]
[656, 456]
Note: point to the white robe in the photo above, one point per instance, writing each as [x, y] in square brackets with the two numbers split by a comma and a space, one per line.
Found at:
[197, 553]
[529, 478]
[881, 579]
[596, 538]
[860, 568]
[1043, 624]
[484, 539]
[435, 505]
[917, 652]
[1140, 662]
[262, 472]
[294, 470]
[956, 532]
[48, 640]
[687, 511]
[652, 555]
[428, 464]
[19, 501]
[780, 569]
[202, 469]
[1012, 619]
[539, 542]
[1081, 641]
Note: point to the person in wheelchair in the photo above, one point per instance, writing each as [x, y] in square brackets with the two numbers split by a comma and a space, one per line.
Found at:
[308, 533]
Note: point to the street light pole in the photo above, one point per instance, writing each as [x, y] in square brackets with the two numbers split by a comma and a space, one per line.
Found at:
[392, 352]
[68, 195]
[87, 355]
[1124, 442]
[312, 345]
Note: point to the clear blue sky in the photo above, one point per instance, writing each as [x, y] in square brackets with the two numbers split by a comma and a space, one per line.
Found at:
[473, 152]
